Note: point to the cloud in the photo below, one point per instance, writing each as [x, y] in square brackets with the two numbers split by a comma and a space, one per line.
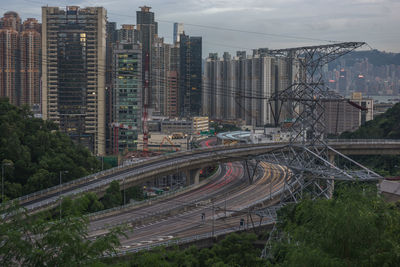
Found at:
[367, 20]
[215, 10]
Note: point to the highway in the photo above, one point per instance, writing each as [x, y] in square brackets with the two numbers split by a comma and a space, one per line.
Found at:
[237, 201]
[221, 201]
[138, 173]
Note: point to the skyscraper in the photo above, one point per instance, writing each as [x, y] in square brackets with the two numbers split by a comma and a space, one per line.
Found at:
[147, 29]
[127, 99]
[190, 76]
[343, 82]
[9, 57]
[111, 39]
[30, 49]
[73, 72]
[238, 88]
[178, 30]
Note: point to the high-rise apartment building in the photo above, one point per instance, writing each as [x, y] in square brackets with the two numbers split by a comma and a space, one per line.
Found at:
[178, 30]
[190, 76]
[172, 89]
[127, 99]
[73, 72]
[20, 60]
[30, 60]
[240, 88]
[9, 57]
[341, 116]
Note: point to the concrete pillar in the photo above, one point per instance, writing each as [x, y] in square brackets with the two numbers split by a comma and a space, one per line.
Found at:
[331, 157]
[193, 176]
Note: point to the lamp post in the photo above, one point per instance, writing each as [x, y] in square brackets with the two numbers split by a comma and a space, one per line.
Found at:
[61, 172]
[2, 178]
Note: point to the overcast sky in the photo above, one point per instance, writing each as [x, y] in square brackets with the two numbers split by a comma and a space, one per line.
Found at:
[256, 23]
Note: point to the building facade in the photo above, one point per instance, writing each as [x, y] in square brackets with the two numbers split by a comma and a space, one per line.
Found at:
[238, 88]
[147, 30]
[20, 60]
[30, 60]
[178, 30]
[9, 57]
[190, 76]
[127, 104]
[73, 72]
[341, 116]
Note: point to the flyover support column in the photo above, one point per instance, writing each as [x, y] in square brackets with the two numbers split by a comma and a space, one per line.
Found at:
[193, 176]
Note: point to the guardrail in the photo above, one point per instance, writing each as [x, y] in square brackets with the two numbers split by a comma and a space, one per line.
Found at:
[179, 154]
[368, 141]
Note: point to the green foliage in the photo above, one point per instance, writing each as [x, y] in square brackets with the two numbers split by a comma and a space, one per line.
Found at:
[113, 196]
[87, 203]
[38, 152]
[31, 241]
[135, 193]
[220, 128]
[357, 228]
[234, 250]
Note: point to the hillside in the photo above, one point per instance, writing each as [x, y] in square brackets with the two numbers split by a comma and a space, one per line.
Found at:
[375, 57]
[33, 153]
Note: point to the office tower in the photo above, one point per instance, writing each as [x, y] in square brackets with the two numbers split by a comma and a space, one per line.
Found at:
[160, 67]
[128, 34]
[178, 30]
[73, 72]
[147, 29]
[190, 76]
[9, 57]
[111, 39]
[342, 82]
[30, 60]
[361, 83]
[127, 100]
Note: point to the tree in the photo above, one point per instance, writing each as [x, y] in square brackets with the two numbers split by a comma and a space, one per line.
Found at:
[356, 228]
[135, 193]
[113, 196]
[38, 152]
[31, 241]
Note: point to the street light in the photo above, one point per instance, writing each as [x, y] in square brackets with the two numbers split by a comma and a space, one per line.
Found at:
[2, 178]
[61, 172]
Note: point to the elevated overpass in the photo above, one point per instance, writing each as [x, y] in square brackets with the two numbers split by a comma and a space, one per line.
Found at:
[189, 162]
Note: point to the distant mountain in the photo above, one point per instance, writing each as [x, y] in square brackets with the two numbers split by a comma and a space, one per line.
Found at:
[375, 57]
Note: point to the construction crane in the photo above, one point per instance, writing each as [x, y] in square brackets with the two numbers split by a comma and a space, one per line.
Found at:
[169, 141]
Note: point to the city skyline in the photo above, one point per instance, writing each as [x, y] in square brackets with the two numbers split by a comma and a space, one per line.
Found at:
[255, 24]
